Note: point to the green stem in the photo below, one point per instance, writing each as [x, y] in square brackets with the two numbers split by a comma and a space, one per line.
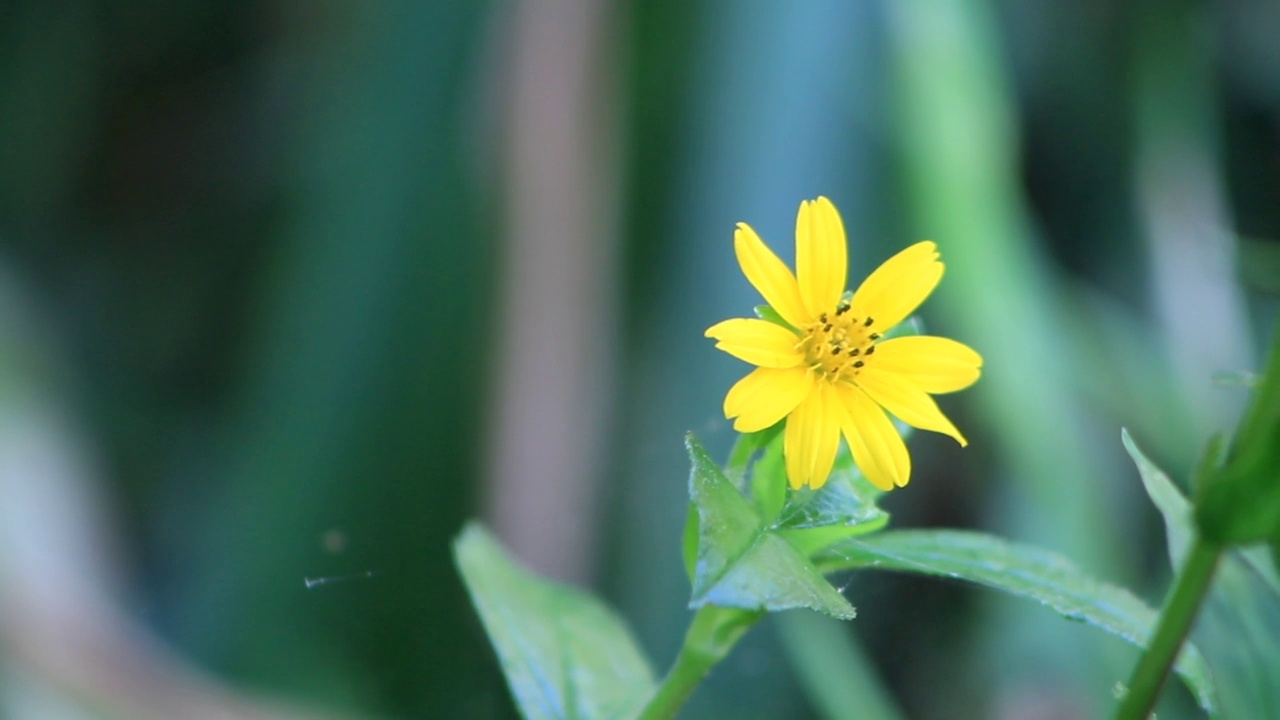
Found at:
[712, 634]
[1175, 623]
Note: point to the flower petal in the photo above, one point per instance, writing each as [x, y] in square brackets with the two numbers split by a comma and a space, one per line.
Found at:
[765, 396]
[758, 342]
[877, 447]
[932, 364]
[899, 285]
[909, 403]
[812, 438]
[821, 256]
[769, 275]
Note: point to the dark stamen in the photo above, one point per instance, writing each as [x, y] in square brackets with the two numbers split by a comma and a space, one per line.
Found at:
[871, 349]
[827, 327]
[874, 336]
[859, 364]
[868, 322]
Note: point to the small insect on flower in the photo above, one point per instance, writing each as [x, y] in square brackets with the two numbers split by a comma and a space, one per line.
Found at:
[828, 370]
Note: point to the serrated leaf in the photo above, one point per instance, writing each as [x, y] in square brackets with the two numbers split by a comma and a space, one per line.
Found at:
[1021, 570]
[846, 500]
[739, 563]
[565, 654]
[1239, 626]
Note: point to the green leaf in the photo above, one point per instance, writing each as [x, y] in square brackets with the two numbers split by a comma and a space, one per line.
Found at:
[689, 543]
[565, 654]
[844, 507]
[1240, 503]
[1173, 507]
[1179, 521]
[1021, 570]
[739, 563]
[1239, 626]
[769, 482]
[745, 449]
[847, 500]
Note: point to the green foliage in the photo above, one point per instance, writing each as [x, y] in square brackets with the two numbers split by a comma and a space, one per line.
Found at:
[1239, 627]
[742, 563]
[1020, 570]
[1241, 502]
[565, 654]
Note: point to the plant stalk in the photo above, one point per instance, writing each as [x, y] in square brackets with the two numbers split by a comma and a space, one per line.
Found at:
[712, 634]
[1175, 624]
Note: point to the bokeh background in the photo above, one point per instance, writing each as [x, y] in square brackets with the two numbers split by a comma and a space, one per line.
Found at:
[290, 290]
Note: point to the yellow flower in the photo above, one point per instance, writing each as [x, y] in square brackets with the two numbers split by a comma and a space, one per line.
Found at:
[831, 373]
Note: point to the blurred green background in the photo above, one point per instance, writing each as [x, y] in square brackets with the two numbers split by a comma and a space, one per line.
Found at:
[289, 290]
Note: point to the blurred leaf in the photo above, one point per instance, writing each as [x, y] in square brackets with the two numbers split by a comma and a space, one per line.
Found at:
[838, 677]
[565, 654]
[1259, 262]
[1235, 378]
[1240, 623]
[1020, 570]
[739, 563]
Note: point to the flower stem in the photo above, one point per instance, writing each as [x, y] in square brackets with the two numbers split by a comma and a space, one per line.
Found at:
[1175, 623]
[712, 634]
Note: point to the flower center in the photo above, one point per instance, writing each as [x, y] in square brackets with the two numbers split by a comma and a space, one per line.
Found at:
[839, 345]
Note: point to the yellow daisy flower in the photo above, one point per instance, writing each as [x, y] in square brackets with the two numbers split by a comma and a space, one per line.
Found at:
[830, 373]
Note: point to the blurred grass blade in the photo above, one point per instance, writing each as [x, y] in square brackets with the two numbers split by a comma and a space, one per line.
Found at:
[1021, 570]
[739, 563]
[837, 676]
[565, 654]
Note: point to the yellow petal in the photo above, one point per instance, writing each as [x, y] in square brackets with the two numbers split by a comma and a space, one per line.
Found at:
[821, 257]
[812, 437]
[898, 286]
[765, 396]
[875, 443]
[758, 342]
[932, 364]
[769, 275]
[909, 403]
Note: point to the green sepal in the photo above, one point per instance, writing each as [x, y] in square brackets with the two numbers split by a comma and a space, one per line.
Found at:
[766, 312]
[740, 564]
[565, 654]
